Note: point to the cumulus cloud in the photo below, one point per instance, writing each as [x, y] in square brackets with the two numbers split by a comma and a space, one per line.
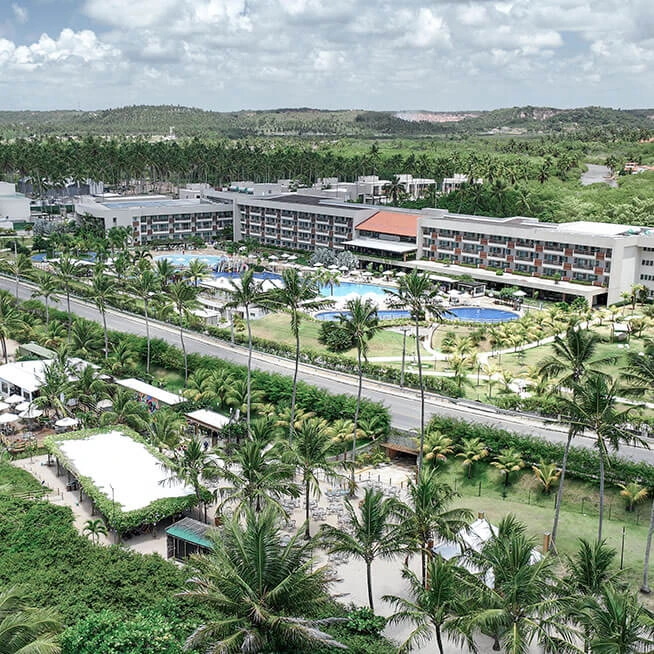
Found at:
[382, 54]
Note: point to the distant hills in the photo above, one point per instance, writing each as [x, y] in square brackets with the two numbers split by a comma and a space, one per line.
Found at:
[151, 121]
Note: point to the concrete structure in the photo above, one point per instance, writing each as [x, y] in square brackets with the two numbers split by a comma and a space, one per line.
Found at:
[151, 395]
[155, 218]
[14, 207]
[454, 183]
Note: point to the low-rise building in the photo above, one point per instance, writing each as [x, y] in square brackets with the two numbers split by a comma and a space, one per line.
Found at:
[14, 207]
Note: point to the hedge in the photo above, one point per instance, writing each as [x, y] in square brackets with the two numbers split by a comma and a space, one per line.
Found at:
[583, 463]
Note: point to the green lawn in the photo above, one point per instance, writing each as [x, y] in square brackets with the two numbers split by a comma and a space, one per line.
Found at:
[18, 481]
[276, 327]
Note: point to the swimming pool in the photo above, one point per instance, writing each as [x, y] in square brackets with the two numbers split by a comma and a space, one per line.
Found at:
[348, 288]
[384, 314]
[478, 314]
[183, 260]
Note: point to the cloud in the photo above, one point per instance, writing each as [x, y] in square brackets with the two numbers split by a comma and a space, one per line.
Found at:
[20, 13]
[339, 53]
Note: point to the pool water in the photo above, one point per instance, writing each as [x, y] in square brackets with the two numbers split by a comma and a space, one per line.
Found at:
[183, 260]
[478, 314]
[349, 288]
[383, 314]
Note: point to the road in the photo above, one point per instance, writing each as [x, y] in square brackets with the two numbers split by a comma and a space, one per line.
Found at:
[596, 174]
[403, 404]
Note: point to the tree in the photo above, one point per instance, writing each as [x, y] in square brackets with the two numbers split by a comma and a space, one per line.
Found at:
[17, 267]
[25, 630]
[144, 284]
[574, 355]
[259, 590]
[265, 476]
[311, 454]
[246, 293]
[508, 461]
[55, 387]
[183, 298]
[68, 270]
[546, 474]
[518, 599]
[618, 623]
[103, 295]
[85, 338]
[435, 607]
[11, 320]
[594, 408]
[472, 451]
[196, 271]
[377, 533]
[166, 429]
[95, 529]
[48, 287]
[126, 410]
[394, 190]
[429, 513]
[192, 465]
[417, 294]
[360, 323]
[633, 493]
[437, 447]
[165, 271]
[297, 294]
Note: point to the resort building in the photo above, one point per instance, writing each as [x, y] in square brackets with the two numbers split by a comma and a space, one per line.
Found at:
[451, 184]
[14, 207]
[155, 218]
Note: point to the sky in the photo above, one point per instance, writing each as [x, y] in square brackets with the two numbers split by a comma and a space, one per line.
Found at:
[227, 55]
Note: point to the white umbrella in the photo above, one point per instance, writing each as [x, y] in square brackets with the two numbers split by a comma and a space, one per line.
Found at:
[344, 268]
[292, 258]
[23, 406]
[6, 418]
[318, 265]
[14, 399]
[366, 274]
[520, 294]
[242, 248]
[3, 406]
[401, 274]
[387, 272]
[104, 404]
[333, 267]
[67, 422]
[285, 256]
[30, 414]
[272, 257]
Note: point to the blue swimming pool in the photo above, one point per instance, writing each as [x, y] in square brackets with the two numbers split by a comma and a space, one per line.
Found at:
[478, 314]
[348, 288]
[384, 314]
[183, 260]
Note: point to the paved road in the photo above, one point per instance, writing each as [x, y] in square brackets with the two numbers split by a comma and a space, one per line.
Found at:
[404, 405]
[596, 174]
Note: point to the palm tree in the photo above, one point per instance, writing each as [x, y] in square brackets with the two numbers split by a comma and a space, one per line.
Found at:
[472, 450]
[68, 270]
[196, 271]
[48, 287]
[360, 323]
[435, 608]
[55, 387]
[394, 189]
[594, 409]
[546, 474]
[518, 599]
[126, 410]
[94, 529]
[11, 320]
[88, 388]
[648, 548]
[246, 293]
[377, 533]
[85, 338]
[298, 293]
[508, 461]
[264, 476]
[192, 465]
[591, 568]
[21, 265]
[574, 355]
[183, 298]
[618, 623]
[633, 493]
[25, 630]
[437, 447]
[429, 513]
[257, 587]
[166, 429]
[165, 271]
[144, 285]
[417, 293]
[103, 295]
[311, 454]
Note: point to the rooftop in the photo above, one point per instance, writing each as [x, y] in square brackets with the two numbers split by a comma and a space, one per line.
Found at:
[192, 531]
[314, 200]
[134, 203]
[382, 245]
[207, 418]
[154, 392]
[396, 223]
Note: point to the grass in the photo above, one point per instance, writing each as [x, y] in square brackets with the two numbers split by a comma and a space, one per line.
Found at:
[275, 327]
[18, 481]
[525, 500]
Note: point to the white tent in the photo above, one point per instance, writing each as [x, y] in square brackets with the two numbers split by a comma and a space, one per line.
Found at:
[23, 406]
[14, 399]
[31, 413]
[3, 406]
[67, 422]
[6, 418]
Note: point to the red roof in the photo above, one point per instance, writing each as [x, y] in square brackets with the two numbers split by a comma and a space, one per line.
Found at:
[391, 222]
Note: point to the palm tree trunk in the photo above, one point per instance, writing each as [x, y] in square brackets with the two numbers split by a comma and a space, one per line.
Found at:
[3, 341]
[599, 530]
[106, 337]
[645, 587]
[147, 337]
[47, 312]
[356, 421]
[307, 528]
[559, 494]
[249, 386]
[422, 398]
[181, 338]
[369, 581]
[70, 315]
[297, 365]
[439, 639]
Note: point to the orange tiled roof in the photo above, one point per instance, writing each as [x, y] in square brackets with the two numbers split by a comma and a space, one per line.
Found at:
[391, 222]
